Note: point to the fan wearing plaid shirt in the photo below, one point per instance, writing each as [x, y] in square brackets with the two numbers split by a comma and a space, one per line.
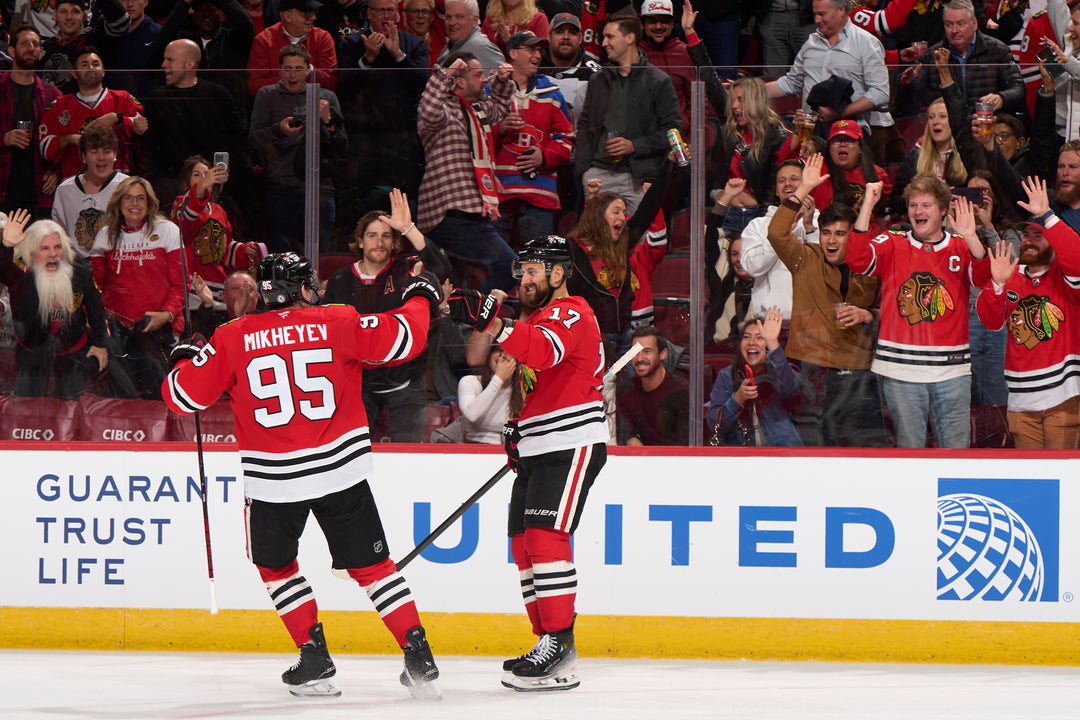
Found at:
[459, 196]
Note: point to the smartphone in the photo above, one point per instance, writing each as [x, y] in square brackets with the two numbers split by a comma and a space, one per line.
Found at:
[1052, 66]
[296, 122]
[749, 373]
[221, 158]
[974, 195]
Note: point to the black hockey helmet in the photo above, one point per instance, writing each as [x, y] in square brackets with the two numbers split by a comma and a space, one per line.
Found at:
[282, 275]
[551, 250]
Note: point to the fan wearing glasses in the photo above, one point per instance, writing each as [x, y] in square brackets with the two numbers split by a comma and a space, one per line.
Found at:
[850, 166]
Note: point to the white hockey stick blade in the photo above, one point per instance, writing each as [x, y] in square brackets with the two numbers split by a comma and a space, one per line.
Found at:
[621, 362]
[213, 598]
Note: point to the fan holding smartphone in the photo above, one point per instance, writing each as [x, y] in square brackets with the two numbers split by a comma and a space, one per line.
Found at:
[753, 401]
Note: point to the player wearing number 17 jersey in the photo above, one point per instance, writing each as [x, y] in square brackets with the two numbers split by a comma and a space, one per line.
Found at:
[293, 378]
[560, 451]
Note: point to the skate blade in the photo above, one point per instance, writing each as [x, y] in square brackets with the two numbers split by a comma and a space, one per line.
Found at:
[425, 691]
[316, 688]
[558, 681]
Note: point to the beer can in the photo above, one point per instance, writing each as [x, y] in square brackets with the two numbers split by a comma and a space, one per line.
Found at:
[674, 138]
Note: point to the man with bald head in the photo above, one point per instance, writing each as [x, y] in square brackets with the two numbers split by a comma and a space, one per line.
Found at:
[222, 29]
[190, 116]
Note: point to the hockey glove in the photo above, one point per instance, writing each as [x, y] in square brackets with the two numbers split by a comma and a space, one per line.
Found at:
[511, 437]
[469, 307]
[424, 285]
[186, 349]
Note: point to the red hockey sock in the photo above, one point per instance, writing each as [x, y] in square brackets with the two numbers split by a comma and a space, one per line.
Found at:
[391, 596]
[554, 576]
[528, 592]
[293, 599]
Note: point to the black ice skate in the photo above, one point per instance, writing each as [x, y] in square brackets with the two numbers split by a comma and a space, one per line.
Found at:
[548, 666]
[313, 675]
[420, 672]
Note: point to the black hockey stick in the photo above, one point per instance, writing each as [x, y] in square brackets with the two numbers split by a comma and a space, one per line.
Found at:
[454, 517]
[198, 424]
[471, 500]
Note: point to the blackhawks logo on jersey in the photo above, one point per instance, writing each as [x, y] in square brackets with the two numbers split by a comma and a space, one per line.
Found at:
[923, 297]
[210, 242]
[87, 225]
[1033, 320]
[526, 378]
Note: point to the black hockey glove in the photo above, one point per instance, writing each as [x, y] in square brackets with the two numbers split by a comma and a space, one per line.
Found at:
[469, 307]
[186, 349]
[424, 285]
[511, 437]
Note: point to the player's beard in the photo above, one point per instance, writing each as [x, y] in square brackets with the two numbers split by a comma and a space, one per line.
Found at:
[537, 301]
[54, 291]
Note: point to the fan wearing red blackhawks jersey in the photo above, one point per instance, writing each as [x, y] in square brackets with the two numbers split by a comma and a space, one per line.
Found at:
[557, 447]
[293, 378]
[922, 354]
[1040, 305]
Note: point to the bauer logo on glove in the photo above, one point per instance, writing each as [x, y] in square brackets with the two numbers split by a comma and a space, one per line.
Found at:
[469, 307]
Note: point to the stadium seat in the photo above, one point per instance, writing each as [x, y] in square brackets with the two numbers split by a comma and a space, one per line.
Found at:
[671, 316]
[679, 233]
[671, 279]
[911, 129]
[565, 224]
[330, 263]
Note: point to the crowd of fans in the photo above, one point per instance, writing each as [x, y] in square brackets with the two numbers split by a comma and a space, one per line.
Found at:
[893, 192]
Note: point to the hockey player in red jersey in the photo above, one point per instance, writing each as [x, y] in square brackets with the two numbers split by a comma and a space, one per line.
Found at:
[293, 378]
[558, 447]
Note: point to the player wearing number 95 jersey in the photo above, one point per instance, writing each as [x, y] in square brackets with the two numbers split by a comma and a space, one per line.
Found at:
[560, 451]
[293, 378]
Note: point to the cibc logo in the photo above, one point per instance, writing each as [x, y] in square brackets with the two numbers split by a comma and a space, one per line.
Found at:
[998, 539]
[123, 435]
[32, 434]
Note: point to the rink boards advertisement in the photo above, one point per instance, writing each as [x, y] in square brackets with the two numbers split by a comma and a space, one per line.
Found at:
[862, 538]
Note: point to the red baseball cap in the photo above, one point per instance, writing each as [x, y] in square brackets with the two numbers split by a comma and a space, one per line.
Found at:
[847, 128]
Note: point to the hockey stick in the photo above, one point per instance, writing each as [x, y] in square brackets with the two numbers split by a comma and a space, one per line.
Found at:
[472, 499]
[198, 424]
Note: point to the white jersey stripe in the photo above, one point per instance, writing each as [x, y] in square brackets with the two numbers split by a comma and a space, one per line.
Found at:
[572, 489]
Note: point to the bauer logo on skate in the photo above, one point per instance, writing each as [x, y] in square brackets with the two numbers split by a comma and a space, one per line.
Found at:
[998, 539]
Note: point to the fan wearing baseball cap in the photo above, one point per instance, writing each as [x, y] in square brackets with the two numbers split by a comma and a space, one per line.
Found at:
[668, 52]
[297, 26]
[851, 166]
[531, 143]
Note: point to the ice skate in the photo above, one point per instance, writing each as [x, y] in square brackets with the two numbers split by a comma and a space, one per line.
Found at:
[420, 673]
[550, 665]
[313, 675]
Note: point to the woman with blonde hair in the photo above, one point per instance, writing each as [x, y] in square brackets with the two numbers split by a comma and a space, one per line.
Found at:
[752, 145]
[422, 19]
[935, 154]
[507, 17]
[137, 267]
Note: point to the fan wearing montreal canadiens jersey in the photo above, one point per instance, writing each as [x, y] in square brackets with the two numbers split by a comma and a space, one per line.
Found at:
[293, 377]
[922, 354]
[558, 447]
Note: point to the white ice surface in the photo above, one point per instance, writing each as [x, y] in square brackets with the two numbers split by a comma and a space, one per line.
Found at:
[82, 685]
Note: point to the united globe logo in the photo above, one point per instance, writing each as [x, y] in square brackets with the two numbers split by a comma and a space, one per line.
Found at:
[997, 539]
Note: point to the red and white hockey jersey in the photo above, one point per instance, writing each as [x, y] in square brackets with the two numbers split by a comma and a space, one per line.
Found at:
[142, 273]
[925, 289]
[69, 115]
[1027, 43]
[293, 378]
[1042, 313]
[563, 357]
[209, 249]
